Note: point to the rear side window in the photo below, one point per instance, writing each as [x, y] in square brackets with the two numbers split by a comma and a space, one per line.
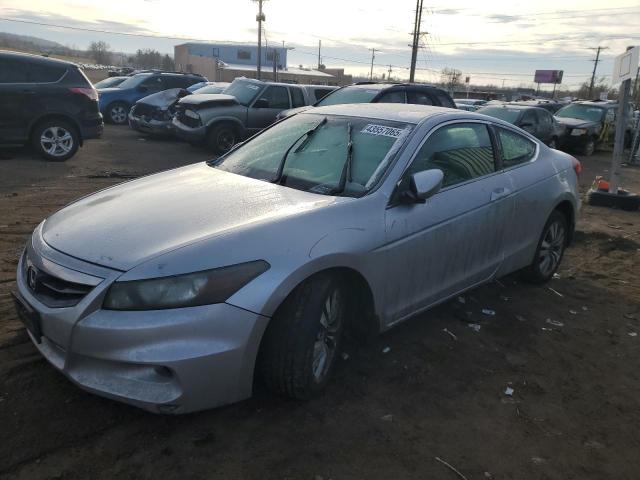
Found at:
[444, 100]
[42, 73]
[396, 96]
[154, 84]
[516, 149]
[297, 99]
[419, 98]
[321, 92]
[463, 151]
[13, 71]
[276, 97]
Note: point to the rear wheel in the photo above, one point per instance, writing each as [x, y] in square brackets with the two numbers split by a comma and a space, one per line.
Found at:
[303, 340]
[550, 250]
[55, 140]
[222, 138]
[117, 113]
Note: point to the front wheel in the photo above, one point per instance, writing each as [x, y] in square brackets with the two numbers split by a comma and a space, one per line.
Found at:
[303, 340]
[550, 250]
[222, 138]
[117, 113]
[55, 140]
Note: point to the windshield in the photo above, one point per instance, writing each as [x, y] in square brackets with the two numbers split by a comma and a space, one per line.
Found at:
[209, 89]
[311, 152]
[243, 90]
[507, 114]
[348, 95]
[133, 82]
[581, 112]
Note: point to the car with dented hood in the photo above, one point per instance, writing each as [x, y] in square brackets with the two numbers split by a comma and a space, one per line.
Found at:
[174, 292]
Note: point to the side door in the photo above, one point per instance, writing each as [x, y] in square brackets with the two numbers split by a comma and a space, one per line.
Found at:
[454, 240]
[529, 177]
[15, 96]
[545, 126]
[271, 101]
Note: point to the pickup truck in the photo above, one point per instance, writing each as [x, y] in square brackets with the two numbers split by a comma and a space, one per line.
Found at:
[219, 121]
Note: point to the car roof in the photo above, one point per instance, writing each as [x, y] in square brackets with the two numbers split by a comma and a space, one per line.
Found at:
[35, 58]
[518, 106]
[591, 103]
[385, 85]
[397, 112]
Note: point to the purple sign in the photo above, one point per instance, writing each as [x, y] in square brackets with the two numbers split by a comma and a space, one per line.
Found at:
[548, 76]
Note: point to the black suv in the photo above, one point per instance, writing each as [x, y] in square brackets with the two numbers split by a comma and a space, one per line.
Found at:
[49, 103]
[374, 92]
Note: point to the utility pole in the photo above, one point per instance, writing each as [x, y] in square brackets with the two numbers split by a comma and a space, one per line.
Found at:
[389, 76]
[319, 49]
[595, 66]
[416, 40]
[373, 56]
[275, 64]
[259, 18]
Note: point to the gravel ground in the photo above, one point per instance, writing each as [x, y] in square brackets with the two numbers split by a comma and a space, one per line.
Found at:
[569, 352]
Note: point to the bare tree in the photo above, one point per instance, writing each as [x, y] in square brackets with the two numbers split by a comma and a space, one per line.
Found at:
[100, 52]
[450, 77]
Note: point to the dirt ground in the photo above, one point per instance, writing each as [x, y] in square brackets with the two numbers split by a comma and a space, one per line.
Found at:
[569, 352]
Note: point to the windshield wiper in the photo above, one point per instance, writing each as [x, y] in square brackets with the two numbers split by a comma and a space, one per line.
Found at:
[346, 170]
[283, 161]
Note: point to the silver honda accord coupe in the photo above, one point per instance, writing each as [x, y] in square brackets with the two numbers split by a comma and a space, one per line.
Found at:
[173, 292]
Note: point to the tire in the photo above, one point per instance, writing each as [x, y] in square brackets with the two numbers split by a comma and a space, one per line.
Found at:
[118, 113]
[553, 143]
[623, 200]
[300, 346]
[55, 140]
[222, 138]
[589, 147]
[549, 251]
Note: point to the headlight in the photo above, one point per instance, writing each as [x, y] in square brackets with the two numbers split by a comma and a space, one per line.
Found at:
[192, 114]
[198, 288]
[578, 131]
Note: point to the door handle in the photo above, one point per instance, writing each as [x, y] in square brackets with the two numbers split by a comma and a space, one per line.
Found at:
[498, 193]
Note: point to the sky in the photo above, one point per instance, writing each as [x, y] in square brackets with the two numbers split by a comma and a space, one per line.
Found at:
[497, 42]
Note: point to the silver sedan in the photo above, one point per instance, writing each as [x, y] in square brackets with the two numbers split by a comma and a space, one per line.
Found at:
[173, 291]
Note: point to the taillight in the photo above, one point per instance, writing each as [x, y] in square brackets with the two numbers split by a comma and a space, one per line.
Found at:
[90, 93]
[577, 166]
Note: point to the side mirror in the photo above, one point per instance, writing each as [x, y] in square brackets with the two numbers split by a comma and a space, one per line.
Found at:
[423, 185]
[261, 103]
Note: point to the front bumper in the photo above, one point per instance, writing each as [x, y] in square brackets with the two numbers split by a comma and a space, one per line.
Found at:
[190, 134]
[152, 126]
[573, 141]
[165, 361]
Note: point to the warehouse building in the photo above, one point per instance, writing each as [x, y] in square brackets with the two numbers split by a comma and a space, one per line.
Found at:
[224, 62]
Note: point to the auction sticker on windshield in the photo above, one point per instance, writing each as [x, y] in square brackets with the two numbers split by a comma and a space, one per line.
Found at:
[253, 87]
[382, 130]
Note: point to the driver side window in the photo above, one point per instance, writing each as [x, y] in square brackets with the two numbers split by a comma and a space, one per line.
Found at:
[154, 84]
[463, 151]
[276, 97]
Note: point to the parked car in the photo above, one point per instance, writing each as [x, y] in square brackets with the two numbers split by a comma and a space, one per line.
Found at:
[466, 107]
[476, 103]
[153, 114]
[211, 87]
[381, 92]
[253, 265]
[246, 107]
[536, 121]
[110, 82]
[48, 103]
[590, 124]
[115, 103]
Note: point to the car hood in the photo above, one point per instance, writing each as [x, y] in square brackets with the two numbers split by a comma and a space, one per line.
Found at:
[164, 99]
[575, 122]
[125, 225]
[208, 99]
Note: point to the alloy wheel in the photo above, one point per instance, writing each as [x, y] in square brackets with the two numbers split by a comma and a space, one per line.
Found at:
[118, 114]
[56, 141]
[325, 346]
[226, 140]
[551, 248]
